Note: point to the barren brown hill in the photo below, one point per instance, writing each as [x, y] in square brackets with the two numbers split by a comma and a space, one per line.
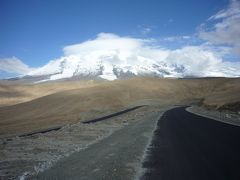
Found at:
[12, 93]
[69, 106]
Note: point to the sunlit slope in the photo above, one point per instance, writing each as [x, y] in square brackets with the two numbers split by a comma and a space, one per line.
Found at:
[81, 103]
[12, 93]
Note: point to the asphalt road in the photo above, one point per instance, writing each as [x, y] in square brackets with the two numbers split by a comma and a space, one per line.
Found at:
[190, 147]
[117, 157]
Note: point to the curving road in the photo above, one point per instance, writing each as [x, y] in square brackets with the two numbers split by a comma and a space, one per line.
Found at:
[190, 147]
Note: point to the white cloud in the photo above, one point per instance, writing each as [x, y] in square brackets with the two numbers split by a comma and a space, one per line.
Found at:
[201, 60]
[119, 49]
[232, 10]
[103, 42]
[127, 52]
[146, 31]
[14, 65]
[225, 29]
[176, 38]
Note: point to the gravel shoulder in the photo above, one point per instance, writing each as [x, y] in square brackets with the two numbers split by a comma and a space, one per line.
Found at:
[222, 116]
[117, 157]
[23, 157]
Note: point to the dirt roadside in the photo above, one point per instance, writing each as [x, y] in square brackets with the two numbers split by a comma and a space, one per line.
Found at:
[117, 157]
[22, 157]
[222, 116]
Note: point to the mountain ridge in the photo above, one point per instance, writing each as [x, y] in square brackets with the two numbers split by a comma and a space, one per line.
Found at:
[70, 66]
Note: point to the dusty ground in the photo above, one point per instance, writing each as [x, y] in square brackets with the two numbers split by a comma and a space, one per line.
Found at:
[24, 156]
[12, 93]
[30, 108]
[117, 157]
[223, 116]
[77, 104]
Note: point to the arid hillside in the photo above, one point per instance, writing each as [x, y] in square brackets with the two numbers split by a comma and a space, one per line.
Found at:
[13, 93]
[50, 105]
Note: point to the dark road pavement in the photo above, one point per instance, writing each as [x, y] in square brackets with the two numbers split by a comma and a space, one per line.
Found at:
[190, 147]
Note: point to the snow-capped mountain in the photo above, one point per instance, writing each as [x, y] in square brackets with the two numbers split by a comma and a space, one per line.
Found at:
[113, 57]
[70, 66]
[112, 63]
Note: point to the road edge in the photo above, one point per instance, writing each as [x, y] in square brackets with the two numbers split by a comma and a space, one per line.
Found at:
[140, 170]
[223, 120]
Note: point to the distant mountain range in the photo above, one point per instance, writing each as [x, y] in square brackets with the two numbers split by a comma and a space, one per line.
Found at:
[73, 66]
[104, 67]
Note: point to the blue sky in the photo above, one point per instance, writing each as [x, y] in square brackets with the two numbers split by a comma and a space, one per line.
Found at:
[36, 31]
